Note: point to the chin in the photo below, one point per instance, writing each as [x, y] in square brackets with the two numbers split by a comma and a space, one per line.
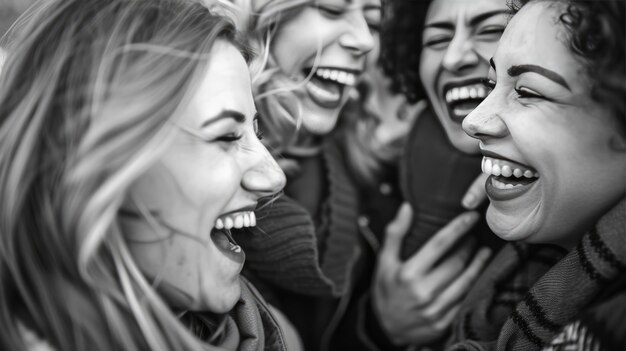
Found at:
[319, 121]
[221, 300]
[517, 226]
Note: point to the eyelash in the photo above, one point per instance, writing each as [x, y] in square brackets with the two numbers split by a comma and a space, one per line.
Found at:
[229, 138]
[330, 12]
[492, 30]
[525, 93]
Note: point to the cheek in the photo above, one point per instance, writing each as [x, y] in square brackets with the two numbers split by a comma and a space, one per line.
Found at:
[298, 41]
[430, 62]
[485, 51]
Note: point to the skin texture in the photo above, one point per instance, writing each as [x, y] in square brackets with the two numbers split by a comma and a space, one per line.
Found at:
[456, 50]
[214, 166]
[574, 143]
[344, 32]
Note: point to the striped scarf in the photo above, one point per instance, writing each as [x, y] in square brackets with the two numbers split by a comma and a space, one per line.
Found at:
[501, 314]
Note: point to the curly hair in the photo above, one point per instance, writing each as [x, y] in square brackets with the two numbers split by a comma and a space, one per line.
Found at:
[401, 46]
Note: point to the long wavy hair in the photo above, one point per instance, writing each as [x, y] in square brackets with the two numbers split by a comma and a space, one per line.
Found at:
[88, 98]
[274, 92]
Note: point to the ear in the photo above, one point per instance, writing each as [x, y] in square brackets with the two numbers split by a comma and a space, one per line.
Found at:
[617, 143]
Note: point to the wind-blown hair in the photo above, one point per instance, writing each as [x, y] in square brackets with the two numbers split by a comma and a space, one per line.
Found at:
[274, 92]
[88, 99]
[596, 36]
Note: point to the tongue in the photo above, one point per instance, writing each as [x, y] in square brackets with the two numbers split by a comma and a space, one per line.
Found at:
[459, 110]
[329, 86]
[221, 239]
[324, 93]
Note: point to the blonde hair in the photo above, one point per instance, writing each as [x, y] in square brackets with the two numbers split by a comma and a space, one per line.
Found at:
[88, 95]
[276, 97]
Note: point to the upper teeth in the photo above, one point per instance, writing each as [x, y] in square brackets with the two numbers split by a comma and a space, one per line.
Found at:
[476, 91]
[236, 220]
[341, 77]
[498, 167]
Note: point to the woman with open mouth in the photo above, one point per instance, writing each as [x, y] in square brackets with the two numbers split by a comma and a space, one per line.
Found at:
[311, 53]
[130, 150]
[437, 51]
[552, 134]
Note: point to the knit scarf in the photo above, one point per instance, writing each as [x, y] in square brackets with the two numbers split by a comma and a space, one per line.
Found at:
[501, 314]
[248, 327]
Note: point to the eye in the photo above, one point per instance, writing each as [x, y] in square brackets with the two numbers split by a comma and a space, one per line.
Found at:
[525, 93]
[438, 42]
[329, 11]
[229, 138]
[491, 32]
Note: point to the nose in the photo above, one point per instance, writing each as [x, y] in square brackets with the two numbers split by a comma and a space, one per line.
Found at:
[358, 39]
[460, 54]
[263, 176]
[485, 122]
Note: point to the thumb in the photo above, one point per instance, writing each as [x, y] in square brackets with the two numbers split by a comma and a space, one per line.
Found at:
[395, 232]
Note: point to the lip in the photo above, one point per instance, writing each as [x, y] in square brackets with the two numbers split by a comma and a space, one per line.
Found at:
[497, 155]
[249, 208]
[450, 85]
[496, 194]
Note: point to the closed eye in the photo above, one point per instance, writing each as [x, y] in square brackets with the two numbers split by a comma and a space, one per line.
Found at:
[526, 93]
[437, 42]
[332, 12]
[229, 138]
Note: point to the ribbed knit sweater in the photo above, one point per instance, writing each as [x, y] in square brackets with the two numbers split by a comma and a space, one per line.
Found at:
[302, 258]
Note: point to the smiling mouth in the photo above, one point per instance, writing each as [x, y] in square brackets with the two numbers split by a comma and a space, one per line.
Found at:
[507, 179]
[328, 85]
[463, 99]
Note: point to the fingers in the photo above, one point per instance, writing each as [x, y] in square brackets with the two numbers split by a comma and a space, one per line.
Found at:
[475, 195]
[460, 286]
[451, 266]
[440, 243]
[394, 233]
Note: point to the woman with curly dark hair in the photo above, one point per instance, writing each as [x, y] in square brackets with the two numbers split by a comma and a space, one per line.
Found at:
[436, 51]
[556, 113]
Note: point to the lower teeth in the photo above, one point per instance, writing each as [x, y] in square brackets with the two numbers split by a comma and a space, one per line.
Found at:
[500, 185]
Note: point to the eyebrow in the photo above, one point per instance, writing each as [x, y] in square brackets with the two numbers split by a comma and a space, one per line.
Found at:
[236, 115]
[514, 71]
[472, 22]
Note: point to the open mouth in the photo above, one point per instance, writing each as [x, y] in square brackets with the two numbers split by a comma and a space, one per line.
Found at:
[463, 98]
[507, 179]
[222, 238]
[327, 85]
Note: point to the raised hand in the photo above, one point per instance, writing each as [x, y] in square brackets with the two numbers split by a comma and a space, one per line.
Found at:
[417, 300]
